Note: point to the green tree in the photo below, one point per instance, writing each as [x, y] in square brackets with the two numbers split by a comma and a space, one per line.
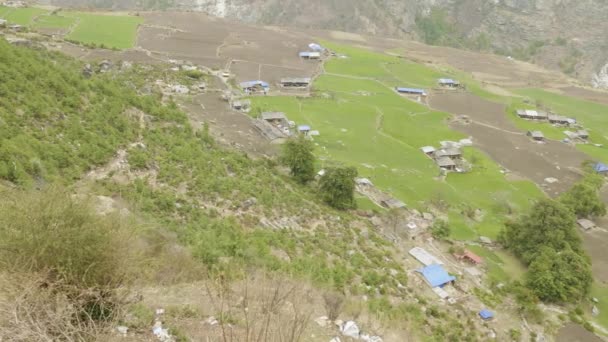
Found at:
[298, 155]
[337, 187]
[440, 230]
[563, 276]
[550, 223]
[584, 200]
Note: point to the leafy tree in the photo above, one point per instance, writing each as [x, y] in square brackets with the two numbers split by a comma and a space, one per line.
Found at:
[338, 187]
[559, 276]
[584, 200]
[440, 230]
[550, 223]
[298, 156]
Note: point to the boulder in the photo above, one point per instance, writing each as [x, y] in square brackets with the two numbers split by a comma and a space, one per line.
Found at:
[350, 329]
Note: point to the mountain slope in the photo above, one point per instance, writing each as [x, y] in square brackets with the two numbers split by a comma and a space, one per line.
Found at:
[562, 35]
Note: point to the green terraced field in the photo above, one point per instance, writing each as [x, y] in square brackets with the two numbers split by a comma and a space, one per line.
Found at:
[364, 123]
[21, 16]
[54, 22]
[112, 31]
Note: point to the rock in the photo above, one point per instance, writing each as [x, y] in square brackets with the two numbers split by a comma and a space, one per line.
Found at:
[335, 339]
[339, 323]
[350, 329]
[427, 216]
[595, 300]
[551, 180]
[595, 311]
[368, 338]
[485, 240]
[248, 203]
[211, 320]
[160, 311]
[122, 330]
[322, 321]
[492, 334]
[161, 333]
[393, 272]
[376, 221]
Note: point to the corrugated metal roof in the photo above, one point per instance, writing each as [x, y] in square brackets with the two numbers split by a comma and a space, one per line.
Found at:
[296, 80]
[445, 162]
[303, 128]
[411, 90]
[600, 167]
[316, 47]
[447, 81]
[274, 116]
[436, 276]
[424, 257]
[428, 149]
[251, 84]
[310, 54]
[486, 314]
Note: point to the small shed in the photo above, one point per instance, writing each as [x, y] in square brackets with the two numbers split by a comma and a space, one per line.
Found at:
[486, 315]
[310, 55]
[411, 91]
[295, 82]
[274, 117]
[316, 47]
[485, 240]
[448, 82]
[536, 135]
[451, 152]
[446, 163]
[583, 134]
[469, 256]
[558, 119]
[601, 168]
[436, 276]
[428, 150]
[392, 203]
[586, 224]
[254, 86]
[304, 129]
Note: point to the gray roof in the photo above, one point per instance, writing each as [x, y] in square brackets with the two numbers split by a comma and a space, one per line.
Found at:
[557, 118]
[521, 112]
[445, 162]
[536, 134]
[393, 203]
[448, 152]
[428, 149]
[582, 133]
[295, 80]
[585, 224]
[274, 116]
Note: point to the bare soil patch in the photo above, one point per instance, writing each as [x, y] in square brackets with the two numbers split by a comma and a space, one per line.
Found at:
[587, 94]
[575, 333]
[495, 134]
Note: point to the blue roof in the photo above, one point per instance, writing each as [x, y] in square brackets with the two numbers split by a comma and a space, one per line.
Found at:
[250, 84]
[447, 81]
[436, 276]
[315, 47]
[303, 128]
[486, 314]
[411, 90]
[309, 54]
[599, 167]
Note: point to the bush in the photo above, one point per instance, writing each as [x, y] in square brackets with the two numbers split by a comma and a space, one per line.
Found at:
[298, 155]
[337, 187]
[440, 230]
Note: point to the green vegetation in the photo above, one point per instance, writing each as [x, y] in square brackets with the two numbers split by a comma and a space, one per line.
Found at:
[298, 156]
[54, 21]
[21, 16]
[546, 239]
[440, 230]
[104, 30]
[436, 29]
[337, 187]
[584, 198]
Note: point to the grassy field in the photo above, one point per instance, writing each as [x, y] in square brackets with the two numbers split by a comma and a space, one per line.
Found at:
[113, 31]
[21, 16]
[364, 123]
[54, 22]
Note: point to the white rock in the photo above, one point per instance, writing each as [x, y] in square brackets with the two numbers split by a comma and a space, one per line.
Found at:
[160, 311]
[335, 339]
[595, 311]
[350, 329]
[122, 330]
[211, 320]
[368, 338]
[322, 321]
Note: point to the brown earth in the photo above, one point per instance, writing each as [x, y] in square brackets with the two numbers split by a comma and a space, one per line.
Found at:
[575, 333]
[497, 136]
[586, 94]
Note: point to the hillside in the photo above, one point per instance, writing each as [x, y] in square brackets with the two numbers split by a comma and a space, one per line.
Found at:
[565, 36]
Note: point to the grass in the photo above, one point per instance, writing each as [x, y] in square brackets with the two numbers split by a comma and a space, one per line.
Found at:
[112, 31]
[590, 114]
[21, 16]
[54, 22]
[502, 267]
[600, 292]
[364, 123]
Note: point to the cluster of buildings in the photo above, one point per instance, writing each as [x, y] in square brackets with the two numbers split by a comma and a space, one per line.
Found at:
[449, 156]
[579, 134]
[276, 127]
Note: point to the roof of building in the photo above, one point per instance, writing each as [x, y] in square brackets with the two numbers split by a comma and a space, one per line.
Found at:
[521, 112]
[363, 181]
[310, 54]
[445, 162]
[557, 118]
[536, 134]
[251, 84]
[411, 90]
[585, 224]
[274, 116]
[428, 149]
[600, 167]
[447, 81]
[485, 239]
[435, 275]
[486, 314]
[530, 112]
[303, 128]
[582, 133]
[315, 47]
[472, 256]
[424, 257]
[295, 80]
[393, 203]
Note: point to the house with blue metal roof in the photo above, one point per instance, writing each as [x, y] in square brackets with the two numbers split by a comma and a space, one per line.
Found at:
[436, 276]
[412, 91]
[448, 82]
[316, 47]
[486, 314]
[253, 86]
[601, 168]
[310, 55]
